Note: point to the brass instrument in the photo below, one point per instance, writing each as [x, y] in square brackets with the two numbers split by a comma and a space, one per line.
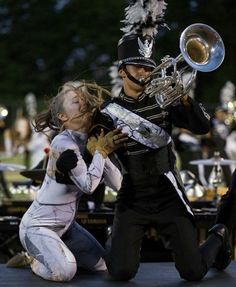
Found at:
[202, 49]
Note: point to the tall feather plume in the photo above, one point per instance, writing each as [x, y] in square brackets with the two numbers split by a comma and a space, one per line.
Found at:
[144, 16]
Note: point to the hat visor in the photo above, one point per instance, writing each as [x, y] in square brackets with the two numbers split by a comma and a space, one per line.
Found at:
[144, 63]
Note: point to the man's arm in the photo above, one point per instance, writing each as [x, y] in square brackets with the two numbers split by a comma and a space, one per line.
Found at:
[191, 115]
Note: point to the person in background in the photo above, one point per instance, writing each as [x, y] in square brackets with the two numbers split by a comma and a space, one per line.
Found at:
[38, 143]
[56, 244]
[218, 135]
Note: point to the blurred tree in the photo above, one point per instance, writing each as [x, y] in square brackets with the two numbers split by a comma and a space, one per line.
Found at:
[44, 43]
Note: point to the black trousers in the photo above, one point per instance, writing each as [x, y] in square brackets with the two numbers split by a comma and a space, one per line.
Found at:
[177, 230]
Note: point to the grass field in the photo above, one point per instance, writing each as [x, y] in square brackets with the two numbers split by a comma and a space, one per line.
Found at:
[12, 177]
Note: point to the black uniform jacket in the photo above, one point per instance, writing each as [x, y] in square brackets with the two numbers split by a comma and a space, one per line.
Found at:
[144, 167]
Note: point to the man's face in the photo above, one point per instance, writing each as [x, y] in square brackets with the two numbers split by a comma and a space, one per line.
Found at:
[139, 73]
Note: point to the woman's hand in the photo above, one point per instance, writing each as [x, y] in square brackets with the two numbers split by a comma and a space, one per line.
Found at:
[65, 163]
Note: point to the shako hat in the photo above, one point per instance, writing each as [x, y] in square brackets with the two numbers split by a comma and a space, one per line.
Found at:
[142, 18]
[137, 50]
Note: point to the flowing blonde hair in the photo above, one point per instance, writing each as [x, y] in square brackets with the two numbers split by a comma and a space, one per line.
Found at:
[93, 94]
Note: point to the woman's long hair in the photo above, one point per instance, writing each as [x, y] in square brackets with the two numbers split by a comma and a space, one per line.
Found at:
[92, 93]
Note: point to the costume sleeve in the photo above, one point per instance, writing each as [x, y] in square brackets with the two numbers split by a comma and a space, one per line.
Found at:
[112, 175]
[193, 117]
[87, 179]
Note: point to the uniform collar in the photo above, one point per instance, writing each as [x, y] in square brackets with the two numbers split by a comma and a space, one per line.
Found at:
[126, 98]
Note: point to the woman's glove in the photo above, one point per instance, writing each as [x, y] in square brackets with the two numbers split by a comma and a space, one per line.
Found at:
[66, 162]
[106, 144]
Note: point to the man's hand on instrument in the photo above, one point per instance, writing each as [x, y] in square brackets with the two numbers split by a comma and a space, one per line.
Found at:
[184, 100]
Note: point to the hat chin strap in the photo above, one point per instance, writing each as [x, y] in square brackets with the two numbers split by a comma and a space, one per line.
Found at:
[131, 78]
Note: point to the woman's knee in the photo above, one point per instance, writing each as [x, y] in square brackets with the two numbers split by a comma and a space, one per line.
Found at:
[64, 274]
[58, 272]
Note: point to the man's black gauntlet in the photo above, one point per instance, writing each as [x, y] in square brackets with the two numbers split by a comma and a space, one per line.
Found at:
[66, 162]
[101, 121]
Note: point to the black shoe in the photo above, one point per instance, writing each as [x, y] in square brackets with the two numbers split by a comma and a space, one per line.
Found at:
[224, 255]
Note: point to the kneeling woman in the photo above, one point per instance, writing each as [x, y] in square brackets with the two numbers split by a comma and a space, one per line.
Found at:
[48, 230]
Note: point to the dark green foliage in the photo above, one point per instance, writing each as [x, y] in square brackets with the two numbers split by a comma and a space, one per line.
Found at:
[45, 43]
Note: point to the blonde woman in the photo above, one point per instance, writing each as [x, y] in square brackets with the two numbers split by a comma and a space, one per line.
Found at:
[48, 230]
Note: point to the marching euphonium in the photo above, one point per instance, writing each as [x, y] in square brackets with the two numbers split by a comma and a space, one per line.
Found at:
[202, 49]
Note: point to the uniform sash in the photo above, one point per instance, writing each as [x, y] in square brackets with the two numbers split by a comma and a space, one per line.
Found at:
[137, 128]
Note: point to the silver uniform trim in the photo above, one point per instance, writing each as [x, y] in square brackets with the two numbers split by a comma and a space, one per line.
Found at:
[145, 48]
[172, 179]
[136, 61]
[204, 111]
